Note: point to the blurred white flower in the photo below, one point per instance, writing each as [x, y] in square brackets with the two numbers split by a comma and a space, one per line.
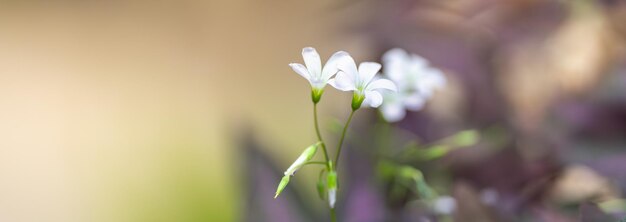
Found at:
[362, 82]
[317, 75]
[444, 205]
[416, 81]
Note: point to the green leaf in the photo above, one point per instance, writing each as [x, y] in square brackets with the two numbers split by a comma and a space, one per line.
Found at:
[422, 188]
[466, 138]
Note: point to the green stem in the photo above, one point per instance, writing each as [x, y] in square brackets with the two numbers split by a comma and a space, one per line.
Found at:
[343, 135]
[333, 215]
[319, 135]
[315, 162]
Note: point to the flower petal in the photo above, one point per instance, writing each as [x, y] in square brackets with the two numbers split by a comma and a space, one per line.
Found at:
[348, 66]
[393, 112]
[312, 61]
[373, 98]
[395, 54]
[343, 82]
[367, 71]
[418, 61]
[432, 79]
[301, 70]
[382, 84]
[330, 68]
[396, 60]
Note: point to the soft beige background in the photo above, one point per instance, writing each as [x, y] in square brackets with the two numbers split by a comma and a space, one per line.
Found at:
[128, 110]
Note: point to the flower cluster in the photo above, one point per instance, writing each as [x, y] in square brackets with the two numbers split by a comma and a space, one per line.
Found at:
[416, 82]
[412, 81]
[347, 77]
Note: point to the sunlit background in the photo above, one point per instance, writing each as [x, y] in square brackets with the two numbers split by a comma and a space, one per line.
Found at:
[141, 110]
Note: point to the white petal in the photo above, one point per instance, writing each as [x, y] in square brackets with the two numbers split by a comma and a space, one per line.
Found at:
[395, 62]
[414, 102]
[395, 54]
[433, 79]
[393, 112]
[343, 82]
[382, 84]
[367, 71]
[332, 197]
[417, 65]
[301, 70]
[373, 99]
[444, 205]
[312, 61]
[348, 66]
[418, 61]
[330, 68]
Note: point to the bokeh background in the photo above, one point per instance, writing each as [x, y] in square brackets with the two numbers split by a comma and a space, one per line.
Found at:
[187, 111]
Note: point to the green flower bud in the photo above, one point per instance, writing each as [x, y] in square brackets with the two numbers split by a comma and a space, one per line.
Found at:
[357, 100]
[321, 189]
[331, 183]
[306, 155]
[281, 186]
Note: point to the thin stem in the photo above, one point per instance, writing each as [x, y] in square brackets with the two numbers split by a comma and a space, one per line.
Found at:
[343, 135]
[315, 162]
[319, 135]
[333, 215]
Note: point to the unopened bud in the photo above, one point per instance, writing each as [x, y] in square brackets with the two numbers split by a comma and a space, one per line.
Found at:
[306, 155]
[321, 189]
[281, 186]
[331, 183]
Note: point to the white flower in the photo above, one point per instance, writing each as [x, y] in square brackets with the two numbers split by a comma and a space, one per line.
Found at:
[362, 82]
[444, 205]
[416, 82]
[317, 75]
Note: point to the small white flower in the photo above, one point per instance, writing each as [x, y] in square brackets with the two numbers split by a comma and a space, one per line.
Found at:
[416, 82]
[362, 81]
[317, 75]
[444, 205]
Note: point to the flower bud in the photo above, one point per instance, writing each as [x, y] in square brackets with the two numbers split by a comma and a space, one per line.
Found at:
[306, 155]
[321, 190]
[281, 186]
[331, 180]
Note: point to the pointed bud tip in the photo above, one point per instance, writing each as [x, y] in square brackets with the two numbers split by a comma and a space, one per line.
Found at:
[281, 186]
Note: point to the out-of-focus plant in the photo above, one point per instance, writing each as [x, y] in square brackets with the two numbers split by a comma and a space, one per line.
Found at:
[411, 82]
